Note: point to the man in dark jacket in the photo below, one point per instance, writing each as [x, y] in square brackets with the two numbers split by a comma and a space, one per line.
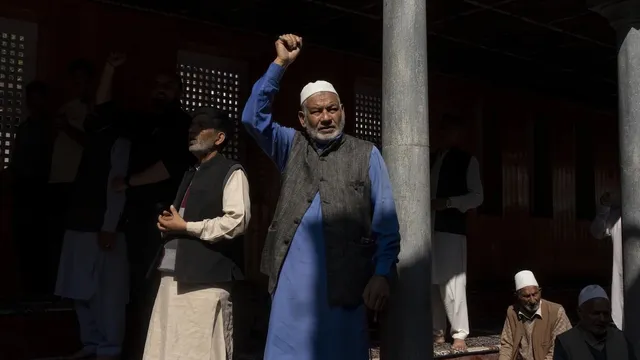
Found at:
[159, 157]
[595, 337]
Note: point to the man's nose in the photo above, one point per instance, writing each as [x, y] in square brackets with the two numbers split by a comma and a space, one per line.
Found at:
[325, 116]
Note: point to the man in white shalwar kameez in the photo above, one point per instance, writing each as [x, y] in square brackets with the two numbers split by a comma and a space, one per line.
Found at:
[94, 272]
[456, 188]
[608, 224]
[192, 316]
[93, 268]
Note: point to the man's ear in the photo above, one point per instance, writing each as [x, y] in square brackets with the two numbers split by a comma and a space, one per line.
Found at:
[220, 138]
[301, 118]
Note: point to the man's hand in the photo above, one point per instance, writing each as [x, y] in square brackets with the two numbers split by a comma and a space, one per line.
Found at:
[118, 184]
[439, 204]
[106, 240]
[376, 293]
[116, 59]
[288, 48]
[171, 221]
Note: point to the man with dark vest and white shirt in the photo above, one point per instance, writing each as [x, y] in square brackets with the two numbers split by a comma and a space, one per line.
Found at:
[94, 269]
[203, 254]
[334, 238]
[455, 189]
[532, 323]
[595, 337]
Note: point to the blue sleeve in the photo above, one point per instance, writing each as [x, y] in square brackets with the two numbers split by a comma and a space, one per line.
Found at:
[385, 227]
[274, 139]
[116, 200]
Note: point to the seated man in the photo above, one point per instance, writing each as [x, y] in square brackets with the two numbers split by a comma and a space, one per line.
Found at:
[532, 324]
[595, 337]
[204, 253]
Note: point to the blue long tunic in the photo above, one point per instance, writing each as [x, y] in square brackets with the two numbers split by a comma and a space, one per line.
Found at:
[302, 325]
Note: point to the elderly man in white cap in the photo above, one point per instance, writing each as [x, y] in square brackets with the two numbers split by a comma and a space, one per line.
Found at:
[595, 337]
[334, 238]
[532, 324]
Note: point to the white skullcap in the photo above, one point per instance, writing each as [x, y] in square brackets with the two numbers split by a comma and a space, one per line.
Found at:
[525, 278]
[591, 292]
[314, 88]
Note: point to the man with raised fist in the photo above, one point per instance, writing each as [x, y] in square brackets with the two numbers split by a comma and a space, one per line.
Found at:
[334, 240]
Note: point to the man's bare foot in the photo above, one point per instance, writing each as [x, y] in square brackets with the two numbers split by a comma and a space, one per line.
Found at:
[438, 339]
[459, 345]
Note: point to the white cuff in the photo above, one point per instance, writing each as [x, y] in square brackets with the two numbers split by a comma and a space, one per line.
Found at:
[195, 228]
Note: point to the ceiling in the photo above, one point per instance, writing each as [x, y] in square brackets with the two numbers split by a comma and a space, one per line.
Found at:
[556, 46]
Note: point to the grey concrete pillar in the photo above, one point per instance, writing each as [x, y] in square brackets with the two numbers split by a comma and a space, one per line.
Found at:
[406, 327]
[624, 16]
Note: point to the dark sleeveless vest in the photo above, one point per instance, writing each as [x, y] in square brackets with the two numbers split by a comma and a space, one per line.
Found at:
[452, 181]
[88, 200]
[200, 261]
[340, 174]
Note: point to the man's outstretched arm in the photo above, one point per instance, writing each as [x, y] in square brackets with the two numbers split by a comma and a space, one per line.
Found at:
[274, 139]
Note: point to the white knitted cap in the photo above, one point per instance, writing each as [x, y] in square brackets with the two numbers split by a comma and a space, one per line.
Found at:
[314, 88]
[591, 292]
[525, 278]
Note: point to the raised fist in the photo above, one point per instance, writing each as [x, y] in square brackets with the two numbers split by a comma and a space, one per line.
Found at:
[287, 49]
[116, 59]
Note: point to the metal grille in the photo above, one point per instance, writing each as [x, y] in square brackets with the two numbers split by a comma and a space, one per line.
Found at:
[17, 65]
[210, 82]
[369, 118]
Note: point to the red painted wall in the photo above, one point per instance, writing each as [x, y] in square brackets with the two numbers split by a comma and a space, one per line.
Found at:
[558, 249]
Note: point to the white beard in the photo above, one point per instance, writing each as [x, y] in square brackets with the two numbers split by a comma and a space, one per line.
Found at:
[323, 138]
[199, 148]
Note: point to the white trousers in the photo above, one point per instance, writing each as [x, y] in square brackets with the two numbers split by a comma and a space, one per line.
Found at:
[190, 324]
[617, 284]
[449, 292]
[98, 282]
[449, 301]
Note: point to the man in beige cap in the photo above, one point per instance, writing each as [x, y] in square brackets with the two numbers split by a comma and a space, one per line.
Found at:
[532, 323]
[334, 238]
[596, 337]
